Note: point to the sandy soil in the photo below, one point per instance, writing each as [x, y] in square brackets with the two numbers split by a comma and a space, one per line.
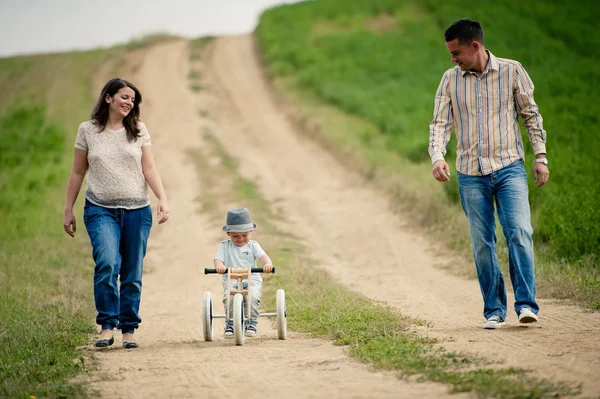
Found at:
[345, 223]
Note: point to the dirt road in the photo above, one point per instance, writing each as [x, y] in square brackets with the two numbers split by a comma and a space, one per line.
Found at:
[345, 223]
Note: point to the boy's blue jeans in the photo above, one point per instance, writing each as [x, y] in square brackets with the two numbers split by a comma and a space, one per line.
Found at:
[119, 238]
[254, 306]
[508, 187]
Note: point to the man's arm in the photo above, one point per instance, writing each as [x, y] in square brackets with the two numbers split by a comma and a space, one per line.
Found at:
[440, 127]
[528, 109]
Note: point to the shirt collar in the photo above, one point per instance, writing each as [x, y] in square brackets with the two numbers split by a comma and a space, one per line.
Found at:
[492, 64]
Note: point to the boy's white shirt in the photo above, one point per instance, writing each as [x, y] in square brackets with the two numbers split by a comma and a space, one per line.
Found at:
[246, 256]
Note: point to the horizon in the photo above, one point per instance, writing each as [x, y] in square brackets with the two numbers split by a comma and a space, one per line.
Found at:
[70, 25]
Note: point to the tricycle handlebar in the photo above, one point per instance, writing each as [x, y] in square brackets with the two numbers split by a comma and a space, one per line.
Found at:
[253, 270]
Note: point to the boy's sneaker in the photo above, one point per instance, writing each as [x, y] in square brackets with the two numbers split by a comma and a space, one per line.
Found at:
[493, 323]
[250, 331]
[526, 315]
[228, 332]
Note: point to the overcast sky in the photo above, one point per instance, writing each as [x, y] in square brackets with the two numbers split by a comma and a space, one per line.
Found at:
[34, 26]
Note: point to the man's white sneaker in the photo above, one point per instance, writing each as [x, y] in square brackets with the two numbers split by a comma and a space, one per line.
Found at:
[493, 323]
[526, 315]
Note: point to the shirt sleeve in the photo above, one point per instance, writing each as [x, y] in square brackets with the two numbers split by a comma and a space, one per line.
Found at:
[257, 250]
[145, 135]
[528, 109]
[440, 127]
[81, 140]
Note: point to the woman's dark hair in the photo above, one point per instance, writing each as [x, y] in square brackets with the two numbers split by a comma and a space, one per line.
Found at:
[466, 31]
[100, 112]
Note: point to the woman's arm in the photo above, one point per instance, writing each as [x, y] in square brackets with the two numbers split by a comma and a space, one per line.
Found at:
[76, 176]
[154, 181]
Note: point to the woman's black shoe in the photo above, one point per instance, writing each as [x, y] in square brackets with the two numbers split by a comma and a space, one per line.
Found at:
[130, 345]
[103, 343]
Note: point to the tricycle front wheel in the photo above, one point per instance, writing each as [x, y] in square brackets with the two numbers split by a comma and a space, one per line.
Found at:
[238, 319]
[281, 315]
[207, 316]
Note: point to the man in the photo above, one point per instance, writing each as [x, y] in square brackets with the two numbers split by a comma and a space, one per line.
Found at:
[482, 97]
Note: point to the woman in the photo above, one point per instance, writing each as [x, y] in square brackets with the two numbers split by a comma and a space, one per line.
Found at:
[114, 149]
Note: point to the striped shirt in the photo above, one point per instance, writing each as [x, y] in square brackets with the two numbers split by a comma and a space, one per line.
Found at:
[484, 111]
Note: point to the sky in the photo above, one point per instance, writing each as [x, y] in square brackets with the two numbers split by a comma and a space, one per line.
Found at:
[47, 26]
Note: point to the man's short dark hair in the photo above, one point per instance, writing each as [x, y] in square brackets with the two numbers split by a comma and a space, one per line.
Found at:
[465, 30]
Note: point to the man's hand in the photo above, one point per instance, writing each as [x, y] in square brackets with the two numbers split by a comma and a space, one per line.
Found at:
[441, 171]
[540, 174]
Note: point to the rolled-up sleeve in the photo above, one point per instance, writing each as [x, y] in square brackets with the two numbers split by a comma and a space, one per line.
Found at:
[528, 109]
[440, 127]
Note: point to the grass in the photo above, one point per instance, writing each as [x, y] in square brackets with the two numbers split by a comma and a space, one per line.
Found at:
[147, 41]
[193, 75]
[197, 48]
[362, 77]
[319, 306]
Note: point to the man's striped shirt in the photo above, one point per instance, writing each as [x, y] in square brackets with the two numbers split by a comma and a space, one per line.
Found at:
[484, 110]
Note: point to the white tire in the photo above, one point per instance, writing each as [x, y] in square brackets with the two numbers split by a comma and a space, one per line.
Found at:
[207, 316]
[281, 315]
[238, 319]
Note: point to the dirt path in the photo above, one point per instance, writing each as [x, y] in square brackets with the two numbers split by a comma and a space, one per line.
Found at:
[173, 360]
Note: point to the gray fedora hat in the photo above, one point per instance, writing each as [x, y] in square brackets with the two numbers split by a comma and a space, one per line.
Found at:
[239, 221]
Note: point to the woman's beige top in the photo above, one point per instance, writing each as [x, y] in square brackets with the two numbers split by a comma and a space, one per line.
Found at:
[114, 176]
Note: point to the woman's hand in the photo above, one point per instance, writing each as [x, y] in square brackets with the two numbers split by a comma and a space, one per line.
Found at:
[69, 223]
[162, 211]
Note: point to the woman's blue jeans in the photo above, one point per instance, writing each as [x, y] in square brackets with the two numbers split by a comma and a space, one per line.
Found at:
[508, 188]
[119, 238]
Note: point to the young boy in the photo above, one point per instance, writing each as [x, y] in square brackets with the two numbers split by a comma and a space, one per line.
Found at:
[240, 251]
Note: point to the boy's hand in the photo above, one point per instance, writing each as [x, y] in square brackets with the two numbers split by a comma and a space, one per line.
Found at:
[268, 268]
[221, 269]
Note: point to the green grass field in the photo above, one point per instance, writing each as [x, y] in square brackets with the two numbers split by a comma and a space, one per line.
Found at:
[381, 61]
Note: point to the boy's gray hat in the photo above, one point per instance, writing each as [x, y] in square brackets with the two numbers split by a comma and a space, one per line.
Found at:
[239, 221]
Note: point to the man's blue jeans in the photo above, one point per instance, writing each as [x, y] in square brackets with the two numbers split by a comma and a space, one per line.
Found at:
[119, 238]
[508, 187]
